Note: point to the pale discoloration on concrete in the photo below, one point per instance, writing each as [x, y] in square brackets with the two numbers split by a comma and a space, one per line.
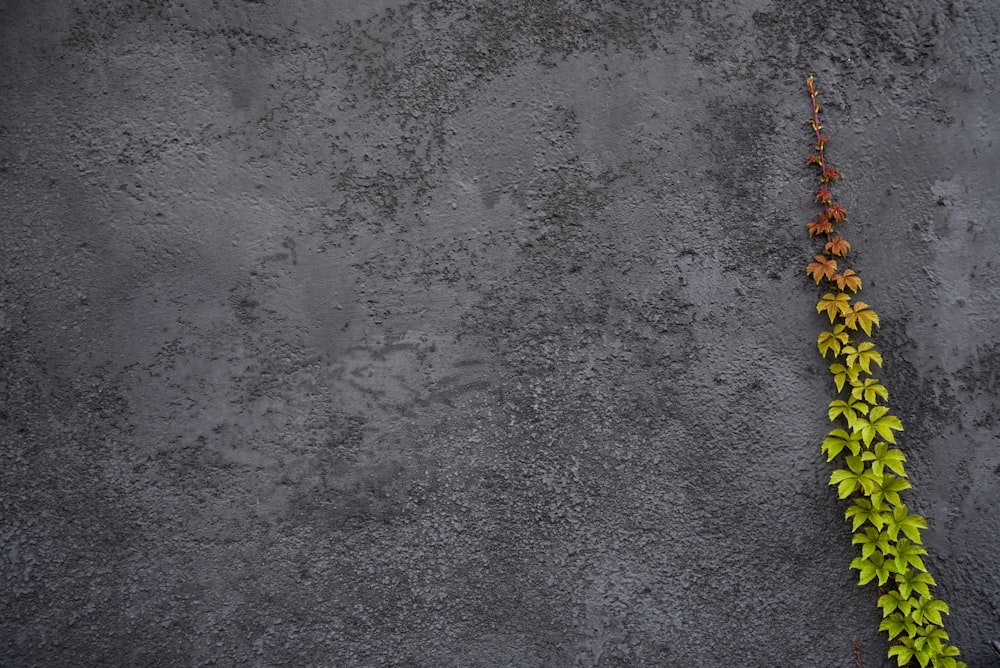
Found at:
[478, 334]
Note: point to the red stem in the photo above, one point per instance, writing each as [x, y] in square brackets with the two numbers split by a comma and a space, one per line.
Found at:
[815, 124]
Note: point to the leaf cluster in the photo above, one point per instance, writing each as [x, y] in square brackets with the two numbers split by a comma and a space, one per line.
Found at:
[871, 474]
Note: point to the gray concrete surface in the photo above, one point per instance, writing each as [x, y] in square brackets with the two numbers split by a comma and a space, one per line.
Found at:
[477, 333]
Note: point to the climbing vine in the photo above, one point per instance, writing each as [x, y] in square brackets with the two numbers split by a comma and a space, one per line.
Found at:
[871, 474]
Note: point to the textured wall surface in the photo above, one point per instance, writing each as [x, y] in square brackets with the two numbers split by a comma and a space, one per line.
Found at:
[477, 333]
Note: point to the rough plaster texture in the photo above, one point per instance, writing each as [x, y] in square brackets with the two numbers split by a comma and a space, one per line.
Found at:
[477, 333]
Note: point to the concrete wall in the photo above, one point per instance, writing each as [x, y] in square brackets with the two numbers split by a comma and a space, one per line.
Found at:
[457, 333]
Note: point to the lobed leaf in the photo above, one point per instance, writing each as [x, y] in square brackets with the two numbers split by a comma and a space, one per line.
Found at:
[861, 315]
[896, 624]
[850, 409]
[848, 280]
[818, 227]
[893, 601]
[876, 566]
[837, 440]
[903, 653]
[888, 488]
[907, 554]
[842, 374]
[910, 581]
[929, 608]
[838, 246]
[863, 510]
[822, 267]
[836, 213]
[834, 304]
[878, 422]
[882, 456]
[869, 390]
[833, 340]
[862, 355]
[854, 476]
[870, 540]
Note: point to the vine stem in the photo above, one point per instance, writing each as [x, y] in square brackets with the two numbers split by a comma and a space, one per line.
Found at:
[857, 653]
[813, 93]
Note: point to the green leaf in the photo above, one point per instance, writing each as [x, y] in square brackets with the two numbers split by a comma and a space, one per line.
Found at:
[903, 653]
[887, 487]
[850, 409]
[870, 390]
[945, 658]
[902, 520]
[897, 623]
[910, 581]
[946, 662]
[870, 540]
[855, 475]
[932, 638]
[862, 510]
[877, 422]
[907, 554]
[862, 355]
[837, 440]
[893, 601]
[881, 456]
[875, 566]
[929, 608]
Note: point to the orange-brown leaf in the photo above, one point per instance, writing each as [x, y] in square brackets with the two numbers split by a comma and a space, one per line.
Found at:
[815, 160]
[848, 280]
[836, 212]
[817, 228]
[823, 195]
[837, 245]
[823, 267]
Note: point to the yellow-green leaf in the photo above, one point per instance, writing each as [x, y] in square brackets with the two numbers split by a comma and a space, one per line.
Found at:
[842, 374]
[837, 440]
[878, 422]
[882, 456]
[862, 355]
[870, 390]
[833, 340]
[888, 487]
[834, 304]
[850, 409]
[863, 510]
[910, 581]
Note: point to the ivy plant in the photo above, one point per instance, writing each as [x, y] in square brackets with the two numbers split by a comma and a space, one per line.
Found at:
[870, 475]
